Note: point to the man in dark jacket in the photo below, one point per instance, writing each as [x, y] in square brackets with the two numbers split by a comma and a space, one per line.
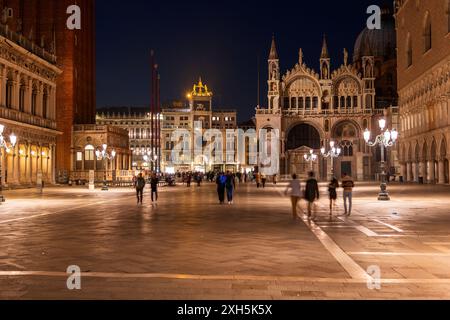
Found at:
[311, 193]
[140, 185]
[221, 182]
[154, 181]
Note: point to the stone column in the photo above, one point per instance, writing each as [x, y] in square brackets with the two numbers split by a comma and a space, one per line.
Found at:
[30, 165]
[52, 163]
[3, 156]
[403, 171]
[415, 171]
[441, 172]
[16, 167]
[409, 172]
[431, 175]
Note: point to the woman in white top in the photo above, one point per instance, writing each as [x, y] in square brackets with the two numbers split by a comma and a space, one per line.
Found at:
[295, 193]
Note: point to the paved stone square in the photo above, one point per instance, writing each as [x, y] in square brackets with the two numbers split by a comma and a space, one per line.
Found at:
[190, 247]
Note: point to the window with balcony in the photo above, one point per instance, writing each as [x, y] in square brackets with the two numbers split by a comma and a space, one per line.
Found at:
[22, 91]
[34, 101]
[45, 104]
[9, 93]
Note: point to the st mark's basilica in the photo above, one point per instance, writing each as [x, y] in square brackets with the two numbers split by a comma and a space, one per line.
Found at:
[311, 108]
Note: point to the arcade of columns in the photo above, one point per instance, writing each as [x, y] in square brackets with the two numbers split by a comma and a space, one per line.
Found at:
[425, 149]
[27, 109]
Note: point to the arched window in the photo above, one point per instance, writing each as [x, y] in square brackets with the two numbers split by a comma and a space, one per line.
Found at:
[347, 148]
[34, 101]
[315, 102]
[427, 32]
[355, 101]
[349, 102]
[342, 102]
[301, 103]
[409, 51]
[22, 91]
[89, 157]
[308, 102]
[9, 93]
[293, 102]
[45, 104]
[336, 102]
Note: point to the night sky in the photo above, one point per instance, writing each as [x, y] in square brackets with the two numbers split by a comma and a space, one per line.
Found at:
[217, 40]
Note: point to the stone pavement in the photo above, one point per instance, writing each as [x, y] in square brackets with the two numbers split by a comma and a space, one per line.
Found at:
[190, 247]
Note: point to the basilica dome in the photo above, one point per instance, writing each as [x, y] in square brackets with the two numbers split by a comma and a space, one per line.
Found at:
[378, 43]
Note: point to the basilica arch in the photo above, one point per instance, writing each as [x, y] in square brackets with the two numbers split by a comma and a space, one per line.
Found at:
[301, 138]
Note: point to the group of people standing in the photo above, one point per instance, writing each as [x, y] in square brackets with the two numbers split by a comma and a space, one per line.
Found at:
[311, 194]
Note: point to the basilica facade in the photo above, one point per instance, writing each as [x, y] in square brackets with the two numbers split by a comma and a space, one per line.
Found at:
[310, 109]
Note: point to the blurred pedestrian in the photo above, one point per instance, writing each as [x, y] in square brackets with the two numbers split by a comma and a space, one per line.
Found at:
[220, 182]
[258, 179]
[311, 194]
[154, 181]
[140, 185]
[263, 180]
[295, 193]
[348, 184]
[230, 185]
[332, 190]
[275, 179]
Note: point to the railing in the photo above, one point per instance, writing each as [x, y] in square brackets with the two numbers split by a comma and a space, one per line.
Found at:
[99, 128]
[26, 44]
[22, 117]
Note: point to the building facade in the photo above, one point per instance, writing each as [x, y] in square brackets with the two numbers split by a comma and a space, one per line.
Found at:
[309, 109]
[183, 116]
[28, 82]
[44, 23]
[87, 139]
[424, 89]
[137, 121]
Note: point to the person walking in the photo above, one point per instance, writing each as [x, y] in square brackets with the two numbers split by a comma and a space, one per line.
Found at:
[258, 179]
[221, 181]
[140, 185]
[295, 193]
[230, 184]
[263, 180]
[154, 181]
[188, 180]
[311, 194]
[275, 179]
[348, 184]
[332, 190]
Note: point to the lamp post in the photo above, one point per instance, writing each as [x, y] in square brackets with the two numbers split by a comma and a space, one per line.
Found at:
[333, 153]
[385, 140]
[4, 144]
[105, 156]
[311, 158]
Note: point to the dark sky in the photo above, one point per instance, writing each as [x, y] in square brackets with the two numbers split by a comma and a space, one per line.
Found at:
[217, 40]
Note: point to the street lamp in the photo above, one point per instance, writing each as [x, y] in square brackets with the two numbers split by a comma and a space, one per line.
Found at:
[334, 152]
[105, 156]
[385, 140]
[4, 144]
[311, 157]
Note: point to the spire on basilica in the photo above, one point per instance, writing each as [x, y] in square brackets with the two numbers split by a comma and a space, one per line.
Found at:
[273, 50]
[325, 54]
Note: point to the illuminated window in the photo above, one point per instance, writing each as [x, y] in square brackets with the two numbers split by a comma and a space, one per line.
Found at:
[79, 156]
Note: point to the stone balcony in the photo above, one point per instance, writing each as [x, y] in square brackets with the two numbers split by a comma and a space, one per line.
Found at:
[26, 118]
